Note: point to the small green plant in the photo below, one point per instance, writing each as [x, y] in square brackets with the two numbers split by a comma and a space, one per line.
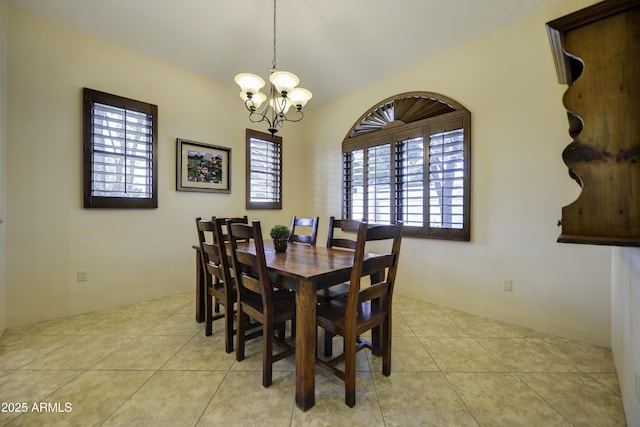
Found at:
[279, 232]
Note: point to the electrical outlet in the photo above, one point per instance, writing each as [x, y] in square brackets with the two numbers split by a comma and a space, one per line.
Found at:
[83, 275]
[508, 284]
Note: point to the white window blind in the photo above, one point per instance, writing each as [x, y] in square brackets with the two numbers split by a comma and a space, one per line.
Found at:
[446, 179]
[379, 184]
[122, 153]
[353, 165]
[264, 171]
[410, 181]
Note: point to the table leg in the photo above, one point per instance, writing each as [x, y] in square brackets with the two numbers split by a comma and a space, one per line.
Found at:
[305, 345]
[199, 287]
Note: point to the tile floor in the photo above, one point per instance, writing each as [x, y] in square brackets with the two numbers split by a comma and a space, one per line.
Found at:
[150, 364]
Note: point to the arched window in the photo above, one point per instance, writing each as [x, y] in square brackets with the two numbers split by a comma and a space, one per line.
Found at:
[408, 159]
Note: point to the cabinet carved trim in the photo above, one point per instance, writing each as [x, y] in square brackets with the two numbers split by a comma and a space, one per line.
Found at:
[597, 54]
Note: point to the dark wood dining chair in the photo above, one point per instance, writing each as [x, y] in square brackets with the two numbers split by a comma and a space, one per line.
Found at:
[308, 223]
[341, 241]
[219, 284]
[364, 308]
[257, 298]
[345, 225]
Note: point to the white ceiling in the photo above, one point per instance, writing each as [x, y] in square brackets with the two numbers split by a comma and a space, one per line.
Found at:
[334, 46]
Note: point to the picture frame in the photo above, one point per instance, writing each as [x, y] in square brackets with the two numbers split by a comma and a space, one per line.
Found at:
[202, 167]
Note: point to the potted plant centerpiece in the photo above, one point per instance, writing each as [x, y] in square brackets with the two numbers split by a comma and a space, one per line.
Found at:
[280, 235]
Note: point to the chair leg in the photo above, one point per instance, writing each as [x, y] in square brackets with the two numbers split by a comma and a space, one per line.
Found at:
[350, 372]
[228, 325]
[208, 317]
[267, 354]
[281, 331]
[217, 306]
[242, 320]
[328, 343]
[386, 347]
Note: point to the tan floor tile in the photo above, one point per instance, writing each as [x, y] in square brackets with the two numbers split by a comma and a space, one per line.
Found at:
[127, 324]
[253, 358]
[241, 393]
[579, 397]
[585, 357]
[461, 355]
[30, 387]
[502, 399]
[169, 305]
[409, 306]
[330, 409]
[408, 354]
[477, 326]
[92, 397]
[21, 350]
[610, 381]
[176, 324]
[202, 354]
[83, 353]
[169, 398]
[425, 325]
[525, 355]
[401, 327]
[420, 399]
[144, 353]
[74, 325]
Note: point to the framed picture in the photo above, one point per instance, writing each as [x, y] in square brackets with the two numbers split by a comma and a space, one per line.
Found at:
[202, 167]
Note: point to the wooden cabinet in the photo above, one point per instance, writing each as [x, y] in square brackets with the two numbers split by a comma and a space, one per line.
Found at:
[597, 54]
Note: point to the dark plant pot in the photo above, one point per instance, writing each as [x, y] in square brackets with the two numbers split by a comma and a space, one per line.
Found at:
[280, 245]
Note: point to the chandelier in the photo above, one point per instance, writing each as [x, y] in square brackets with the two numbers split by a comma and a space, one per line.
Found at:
[283, 94]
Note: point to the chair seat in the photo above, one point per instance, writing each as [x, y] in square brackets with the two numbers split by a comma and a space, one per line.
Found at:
[218, 289]
[283, 303]
[331, 316]
[327, 294]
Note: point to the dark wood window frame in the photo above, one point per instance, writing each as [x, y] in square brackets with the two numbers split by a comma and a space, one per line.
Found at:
[270, 168]
[145, 151]
[385, 130]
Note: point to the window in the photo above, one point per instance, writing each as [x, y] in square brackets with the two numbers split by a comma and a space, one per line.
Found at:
[120, 152]
[264, 171]
[408, 159]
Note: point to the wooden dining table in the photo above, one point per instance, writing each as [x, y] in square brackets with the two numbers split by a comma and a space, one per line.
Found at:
[303, 269]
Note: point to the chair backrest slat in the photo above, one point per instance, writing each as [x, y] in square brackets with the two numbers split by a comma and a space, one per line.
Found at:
[311, 223]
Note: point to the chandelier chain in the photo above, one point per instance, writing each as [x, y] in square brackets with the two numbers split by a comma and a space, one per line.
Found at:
[274, 35]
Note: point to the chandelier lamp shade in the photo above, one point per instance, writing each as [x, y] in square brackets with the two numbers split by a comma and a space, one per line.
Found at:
[284, 94]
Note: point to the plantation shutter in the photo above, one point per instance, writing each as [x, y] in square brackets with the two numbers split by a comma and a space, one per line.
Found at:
[120, 152]
[264, 169]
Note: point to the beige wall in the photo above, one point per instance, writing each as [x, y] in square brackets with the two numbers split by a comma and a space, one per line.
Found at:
[4, 17]
[130, 255]
[625, 330]
[519, 184]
